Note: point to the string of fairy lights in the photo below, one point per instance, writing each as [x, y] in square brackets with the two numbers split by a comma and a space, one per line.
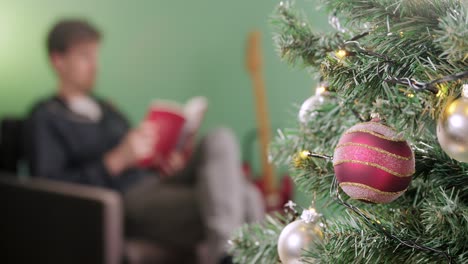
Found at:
[350, 48]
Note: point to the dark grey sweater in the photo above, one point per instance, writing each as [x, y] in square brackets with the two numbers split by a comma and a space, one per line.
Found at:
[63, 145]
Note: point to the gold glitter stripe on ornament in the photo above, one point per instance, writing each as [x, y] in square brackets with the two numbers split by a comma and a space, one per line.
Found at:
[373, 148]
[367, 200]
[375, 134]
[375, 165]
[360, 185]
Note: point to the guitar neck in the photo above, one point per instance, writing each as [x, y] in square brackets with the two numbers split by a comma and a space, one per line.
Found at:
[263, 131]
[254, 66]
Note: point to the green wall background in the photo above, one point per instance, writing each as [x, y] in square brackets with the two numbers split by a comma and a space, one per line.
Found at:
[158, 49]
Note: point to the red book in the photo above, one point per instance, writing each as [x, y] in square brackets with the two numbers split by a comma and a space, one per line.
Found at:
[176, 126]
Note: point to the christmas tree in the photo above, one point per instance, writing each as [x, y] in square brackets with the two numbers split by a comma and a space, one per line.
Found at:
[382, 148]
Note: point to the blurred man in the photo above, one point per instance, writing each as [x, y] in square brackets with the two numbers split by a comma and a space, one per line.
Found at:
[77, 137]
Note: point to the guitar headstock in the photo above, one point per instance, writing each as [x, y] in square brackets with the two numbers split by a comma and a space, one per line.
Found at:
[253, 54]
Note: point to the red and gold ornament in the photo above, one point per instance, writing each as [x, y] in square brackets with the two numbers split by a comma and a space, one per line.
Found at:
[373, 163]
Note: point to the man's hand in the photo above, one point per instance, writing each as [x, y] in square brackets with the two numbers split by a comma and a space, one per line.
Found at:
[176, 162]
[138, 144]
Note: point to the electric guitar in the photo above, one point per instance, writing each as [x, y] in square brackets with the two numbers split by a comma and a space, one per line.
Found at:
[275, 196]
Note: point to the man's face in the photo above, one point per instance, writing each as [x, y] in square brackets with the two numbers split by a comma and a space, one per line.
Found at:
[78, 65]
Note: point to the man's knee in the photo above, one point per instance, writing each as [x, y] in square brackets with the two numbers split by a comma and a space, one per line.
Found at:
[221, 141]
[255, 207]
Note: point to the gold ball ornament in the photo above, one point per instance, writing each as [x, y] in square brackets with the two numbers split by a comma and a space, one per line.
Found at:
[452, 128]
[299, 236]
[308, 110]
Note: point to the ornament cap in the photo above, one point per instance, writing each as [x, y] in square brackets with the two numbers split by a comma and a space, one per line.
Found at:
[322, 88]
[291, 205]
[375, 117]
[309, 215]
[465, 90]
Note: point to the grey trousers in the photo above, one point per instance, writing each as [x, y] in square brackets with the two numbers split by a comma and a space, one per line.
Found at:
[205, 202]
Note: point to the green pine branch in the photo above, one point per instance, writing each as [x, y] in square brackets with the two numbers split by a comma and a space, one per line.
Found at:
[295, 41]
[420, 39]
[257, 243]
[452, 35]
